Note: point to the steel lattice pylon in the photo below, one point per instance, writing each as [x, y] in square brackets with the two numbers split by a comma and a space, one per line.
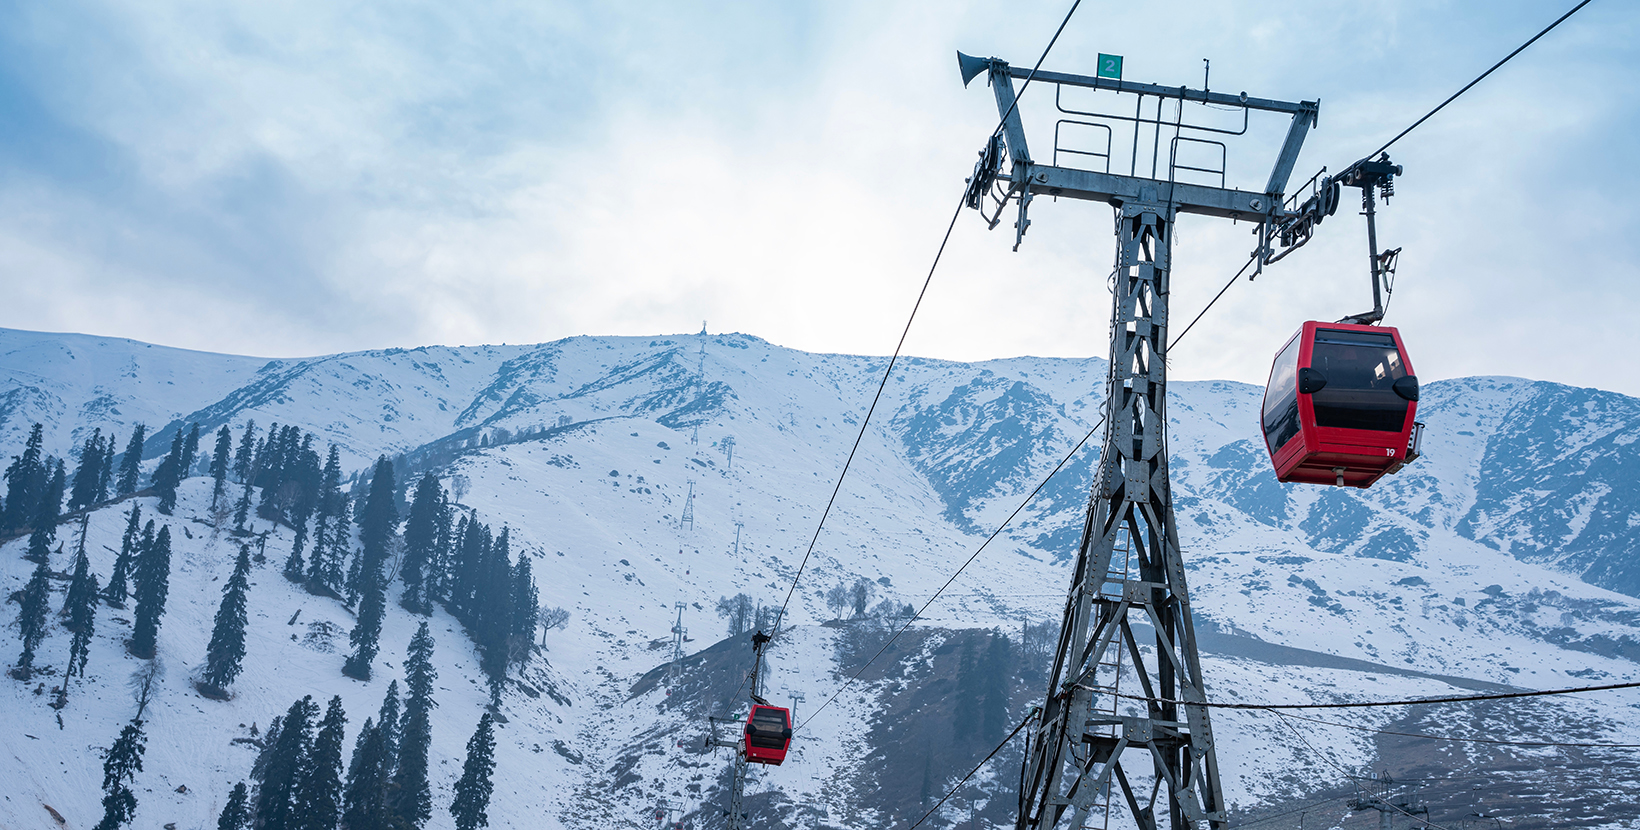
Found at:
[1083, 761]
[1128, 564]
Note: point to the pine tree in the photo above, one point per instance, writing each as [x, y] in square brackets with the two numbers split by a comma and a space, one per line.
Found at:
[472, 803]
[246, 453]
[288, 750]
[412, 802]
[375, 533]
[190, 451]
[80, 607]
[526, 611]
[121, 764]
[31, 623]
[381, 514]
[318, 796]
[242, 509]
[389, 722]
[169, 474]
[328, 577]
[438, 573]
[366, 635]
[83, 493]
[219, 464]
[227, 648]
[236, 814]
[420, 542]
[363, 807]
[131, 463]
[39, 542]
[105, 470]
[494, 618]
[25, 483]
[117, 589]
[51, 504]
[153, 574]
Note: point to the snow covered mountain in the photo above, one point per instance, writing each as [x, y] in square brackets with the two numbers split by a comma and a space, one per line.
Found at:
[1503, 557]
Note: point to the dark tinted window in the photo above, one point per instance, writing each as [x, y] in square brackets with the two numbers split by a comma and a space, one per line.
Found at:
[1281, 398]
[768, 728]
[1360, 368]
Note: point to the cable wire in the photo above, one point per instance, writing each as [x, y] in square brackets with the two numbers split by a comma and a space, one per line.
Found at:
[964, 566]
[1455, 738]
[904, 333]
[1379, 703]
[988, 756]
[1354, 780]
[1480, 78]
[1387, 145]
[1250, 260]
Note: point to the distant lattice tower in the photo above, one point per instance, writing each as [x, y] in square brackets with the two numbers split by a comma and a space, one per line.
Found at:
[688, 519]
[674, 670]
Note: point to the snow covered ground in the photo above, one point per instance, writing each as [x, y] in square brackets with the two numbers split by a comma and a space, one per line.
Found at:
[1472, 564]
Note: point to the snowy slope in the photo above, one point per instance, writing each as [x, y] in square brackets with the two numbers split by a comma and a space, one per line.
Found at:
[1471, 564]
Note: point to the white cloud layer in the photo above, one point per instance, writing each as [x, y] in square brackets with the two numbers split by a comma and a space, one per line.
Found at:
[311, 177]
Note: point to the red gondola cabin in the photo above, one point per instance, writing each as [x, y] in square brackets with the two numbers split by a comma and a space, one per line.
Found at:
[1341, 406]
[768, 734]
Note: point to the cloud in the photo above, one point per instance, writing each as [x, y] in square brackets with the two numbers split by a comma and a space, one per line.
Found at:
[308, 177]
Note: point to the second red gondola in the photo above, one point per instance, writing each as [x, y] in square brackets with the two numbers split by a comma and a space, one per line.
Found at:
[768, 734]
[1341, 406]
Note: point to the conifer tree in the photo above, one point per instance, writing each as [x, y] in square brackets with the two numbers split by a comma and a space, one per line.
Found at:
[131, 463]
[31, 623]
[153, 573]
[237, 813]
[494, 618]
[80, 607]
[190, 451]
[39, 542]
[227, 647]
[121, 764]
[318, 796]
[366, 635]
[169, 474]
[105, 470]
[219, 464]
[25, 483]
[246, 454]
[381, 514]
[288, 751]
[526, 611]
[420, 543]
[412, 802]
[51, 502]
[242, 509]
[472, 802]
[327, 577]
[388, 721]
[364, 807]
[438, 572]
[117, 588]
[83, 493]
[375, 533]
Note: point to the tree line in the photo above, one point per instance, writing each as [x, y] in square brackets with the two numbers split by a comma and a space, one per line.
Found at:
[346, 545]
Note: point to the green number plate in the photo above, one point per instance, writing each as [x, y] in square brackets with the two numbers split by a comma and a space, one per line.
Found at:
[1110, 66]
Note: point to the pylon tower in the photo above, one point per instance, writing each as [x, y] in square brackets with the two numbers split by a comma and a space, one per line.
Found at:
[1100, 752]
[688, 520]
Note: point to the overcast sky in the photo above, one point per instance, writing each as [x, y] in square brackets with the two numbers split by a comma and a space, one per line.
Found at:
[285, 179]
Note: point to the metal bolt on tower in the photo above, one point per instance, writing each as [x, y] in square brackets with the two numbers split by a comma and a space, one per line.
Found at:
[1092, 759]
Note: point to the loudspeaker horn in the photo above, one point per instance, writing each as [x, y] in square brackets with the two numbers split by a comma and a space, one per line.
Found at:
[971, 66]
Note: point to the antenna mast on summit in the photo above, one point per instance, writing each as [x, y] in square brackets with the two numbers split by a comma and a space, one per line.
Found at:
[1084, 767]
